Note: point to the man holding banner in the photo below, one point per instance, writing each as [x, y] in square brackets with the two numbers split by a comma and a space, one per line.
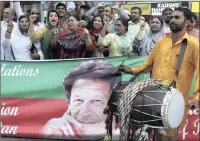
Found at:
[162, 62]
[87, 90]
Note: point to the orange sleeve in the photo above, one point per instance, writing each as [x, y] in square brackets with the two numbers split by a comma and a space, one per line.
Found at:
[196, 63]
[148, 62]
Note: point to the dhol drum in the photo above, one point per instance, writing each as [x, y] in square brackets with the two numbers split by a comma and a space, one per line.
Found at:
[158, 106]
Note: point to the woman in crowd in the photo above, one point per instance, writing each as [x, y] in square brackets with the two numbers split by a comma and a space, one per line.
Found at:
[191, 30]
[52, 28]
[46, 34]
[119, 44]
[96, 26]
[146, 44]
[18, 40]
[75, 41]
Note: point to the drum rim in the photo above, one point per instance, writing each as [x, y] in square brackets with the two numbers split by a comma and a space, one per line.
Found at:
[164, 111]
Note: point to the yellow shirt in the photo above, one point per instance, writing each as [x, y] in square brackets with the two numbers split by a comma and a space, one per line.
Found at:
[117, 44]
[164, 58]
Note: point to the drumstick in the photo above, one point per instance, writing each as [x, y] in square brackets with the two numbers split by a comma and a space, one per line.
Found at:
[122, 62]
[125, 59]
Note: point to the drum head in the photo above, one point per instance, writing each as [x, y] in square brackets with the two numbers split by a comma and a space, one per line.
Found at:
[173, 113]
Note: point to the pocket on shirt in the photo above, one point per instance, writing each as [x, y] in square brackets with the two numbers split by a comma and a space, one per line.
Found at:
[174, 59]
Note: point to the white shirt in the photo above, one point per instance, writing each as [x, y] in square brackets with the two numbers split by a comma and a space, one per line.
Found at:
[5, 52]
[38, 44]
[18, 45]
[166, 28]
[133, 29]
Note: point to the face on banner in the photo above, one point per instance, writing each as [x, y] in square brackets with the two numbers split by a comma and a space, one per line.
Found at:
[87, 96]
[88, 99]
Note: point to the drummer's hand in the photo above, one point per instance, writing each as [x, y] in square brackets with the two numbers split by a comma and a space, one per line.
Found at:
[193, 103]
[162, 132]
[125, 69]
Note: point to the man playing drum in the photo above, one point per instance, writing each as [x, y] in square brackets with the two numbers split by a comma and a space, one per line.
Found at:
[162, 63]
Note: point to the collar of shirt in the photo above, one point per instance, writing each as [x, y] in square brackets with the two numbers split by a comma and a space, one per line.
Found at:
[185, 36]
[131, 23]
[5, 22]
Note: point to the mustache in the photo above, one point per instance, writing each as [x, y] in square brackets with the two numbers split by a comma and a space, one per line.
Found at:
[172, 23]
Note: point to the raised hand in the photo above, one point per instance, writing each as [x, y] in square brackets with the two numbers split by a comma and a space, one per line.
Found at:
[33, 19]
[52, 34]
[83, 23]
[86, 31]
[10, 25]
[101, 4]
[106, 20]
[142, 26]
[115, 7]
[119, 3]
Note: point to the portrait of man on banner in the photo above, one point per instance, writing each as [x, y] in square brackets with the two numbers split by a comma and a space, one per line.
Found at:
[87, 89]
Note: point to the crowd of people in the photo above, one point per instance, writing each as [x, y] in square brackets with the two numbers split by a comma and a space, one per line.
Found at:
[83, 32]
[106, 31]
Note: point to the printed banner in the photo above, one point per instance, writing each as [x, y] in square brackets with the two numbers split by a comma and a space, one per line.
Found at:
[157, 8]
[65, 99]
[146, 8]
[195, 7]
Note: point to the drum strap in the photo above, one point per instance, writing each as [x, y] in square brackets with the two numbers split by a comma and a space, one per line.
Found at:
[180, 59]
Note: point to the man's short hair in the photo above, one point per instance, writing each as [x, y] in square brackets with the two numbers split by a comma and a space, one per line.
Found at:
[12, 11]
[92, 69]
[186, 12]
[85, 7]
[135, 7]
[61, 4]
[166, 9]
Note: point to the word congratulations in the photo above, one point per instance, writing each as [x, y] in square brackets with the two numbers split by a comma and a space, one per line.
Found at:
[8, 111]
[18, 70]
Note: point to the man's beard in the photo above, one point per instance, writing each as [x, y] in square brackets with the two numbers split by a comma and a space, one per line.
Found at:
[135, 19]
[167, 20]
[175, 28]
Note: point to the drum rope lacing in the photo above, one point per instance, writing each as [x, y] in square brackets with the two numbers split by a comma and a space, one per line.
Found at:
[126, 99]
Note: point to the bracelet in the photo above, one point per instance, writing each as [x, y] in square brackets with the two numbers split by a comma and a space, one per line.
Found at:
[8, 31]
